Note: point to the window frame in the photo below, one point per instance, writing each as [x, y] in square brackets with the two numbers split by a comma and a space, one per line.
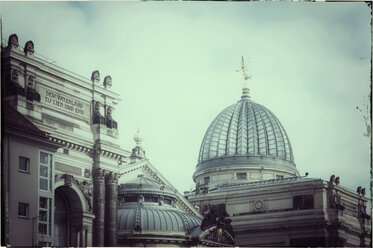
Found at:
[27, 209]
[239, 174]
[27, 164]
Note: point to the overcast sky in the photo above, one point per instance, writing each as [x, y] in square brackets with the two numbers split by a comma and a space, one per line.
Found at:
[174, 65]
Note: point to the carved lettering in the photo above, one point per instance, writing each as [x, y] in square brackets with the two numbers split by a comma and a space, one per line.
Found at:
[64, 103]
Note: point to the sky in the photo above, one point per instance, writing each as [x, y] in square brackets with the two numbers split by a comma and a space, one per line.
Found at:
[174, 65]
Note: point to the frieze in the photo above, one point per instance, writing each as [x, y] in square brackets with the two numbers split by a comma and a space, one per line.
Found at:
[65, 103]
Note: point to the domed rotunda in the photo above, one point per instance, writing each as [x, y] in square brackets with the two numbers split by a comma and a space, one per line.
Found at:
[245, 142]
[147, 215]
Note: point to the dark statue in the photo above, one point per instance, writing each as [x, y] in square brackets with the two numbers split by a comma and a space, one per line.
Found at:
[98, 118]
[13, 42]
[107, 82]
[29, 48]
[95, 77]
[15, 88]
[32, 94]
[217, 215]
[110, 123]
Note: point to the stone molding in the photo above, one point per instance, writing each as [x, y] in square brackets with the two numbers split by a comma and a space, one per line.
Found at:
[85, 149]
[111, 177]
[84, 186]
[99, 174]
[71, 145]
[282, 228]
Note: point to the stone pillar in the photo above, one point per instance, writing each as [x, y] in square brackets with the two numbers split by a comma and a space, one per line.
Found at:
[83, 236]
[98, 207]
[111, 199]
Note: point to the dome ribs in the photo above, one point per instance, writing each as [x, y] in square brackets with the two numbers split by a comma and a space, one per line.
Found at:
[270, 115]
[240, 130]
[221, 139]
[229, 133]
[245, 132]
[262, 132]
[287, 146]
[253, 133]
[233, 130]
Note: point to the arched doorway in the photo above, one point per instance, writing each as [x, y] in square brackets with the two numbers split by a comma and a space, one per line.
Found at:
[68, 218]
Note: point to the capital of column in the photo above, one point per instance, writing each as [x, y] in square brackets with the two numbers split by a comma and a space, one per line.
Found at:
[111, 178]
[99, 175]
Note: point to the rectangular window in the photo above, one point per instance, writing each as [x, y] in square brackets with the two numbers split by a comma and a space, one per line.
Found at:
[206, 180]
[303, 202]
[242, 176]
[24, 164]
[45, 171]
[45, 205]
[23, 209]
[45, 217]
[279, 177]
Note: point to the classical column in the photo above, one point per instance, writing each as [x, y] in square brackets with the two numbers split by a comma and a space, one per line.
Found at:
[83, 236]
[98, 206]
[111, 198]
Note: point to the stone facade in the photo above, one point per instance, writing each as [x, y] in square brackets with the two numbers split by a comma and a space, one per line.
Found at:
[77, 113]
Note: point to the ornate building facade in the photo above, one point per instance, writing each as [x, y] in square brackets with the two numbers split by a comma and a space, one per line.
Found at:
[246, 163]
[79, 188]
[76, 113]
[61, 142]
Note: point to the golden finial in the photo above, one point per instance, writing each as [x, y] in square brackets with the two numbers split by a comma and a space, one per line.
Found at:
[243, 68]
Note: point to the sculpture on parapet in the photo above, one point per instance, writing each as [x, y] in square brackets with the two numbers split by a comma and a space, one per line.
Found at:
[29, 48]
[110, 123]
[95, 77]
[107, 82]
[13, 42]
[32, 94]
[216, 226]
[14, 87]
[138, 151]
[98, 118]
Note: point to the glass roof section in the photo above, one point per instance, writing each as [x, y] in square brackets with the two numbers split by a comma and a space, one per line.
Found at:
[243, 129]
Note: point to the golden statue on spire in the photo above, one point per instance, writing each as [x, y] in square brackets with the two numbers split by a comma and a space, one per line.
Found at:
[243, 68]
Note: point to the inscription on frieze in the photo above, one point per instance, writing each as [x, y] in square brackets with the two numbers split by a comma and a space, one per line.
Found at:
[63, 102]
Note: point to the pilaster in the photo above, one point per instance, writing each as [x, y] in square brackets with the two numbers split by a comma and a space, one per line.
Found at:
[98, 206]
[111, 196]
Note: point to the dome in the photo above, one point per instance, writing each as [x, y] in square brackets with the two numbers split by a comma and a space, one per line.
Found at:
[247, 134]
[151, 219]
[146, 205]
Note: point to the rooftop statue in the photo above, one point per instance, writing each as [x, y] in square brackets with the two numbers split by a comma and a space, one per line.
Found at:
[107, 82]
[29, 48]
[243, 68]
[13, 42]
[95, 77]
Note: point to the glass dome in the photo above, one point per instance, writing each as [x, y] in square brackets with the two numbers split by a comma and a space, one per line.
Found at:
[248, 134]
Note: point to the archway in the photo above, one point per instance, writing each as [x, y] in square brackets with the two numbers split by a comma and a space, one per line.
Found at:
[68, 218]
